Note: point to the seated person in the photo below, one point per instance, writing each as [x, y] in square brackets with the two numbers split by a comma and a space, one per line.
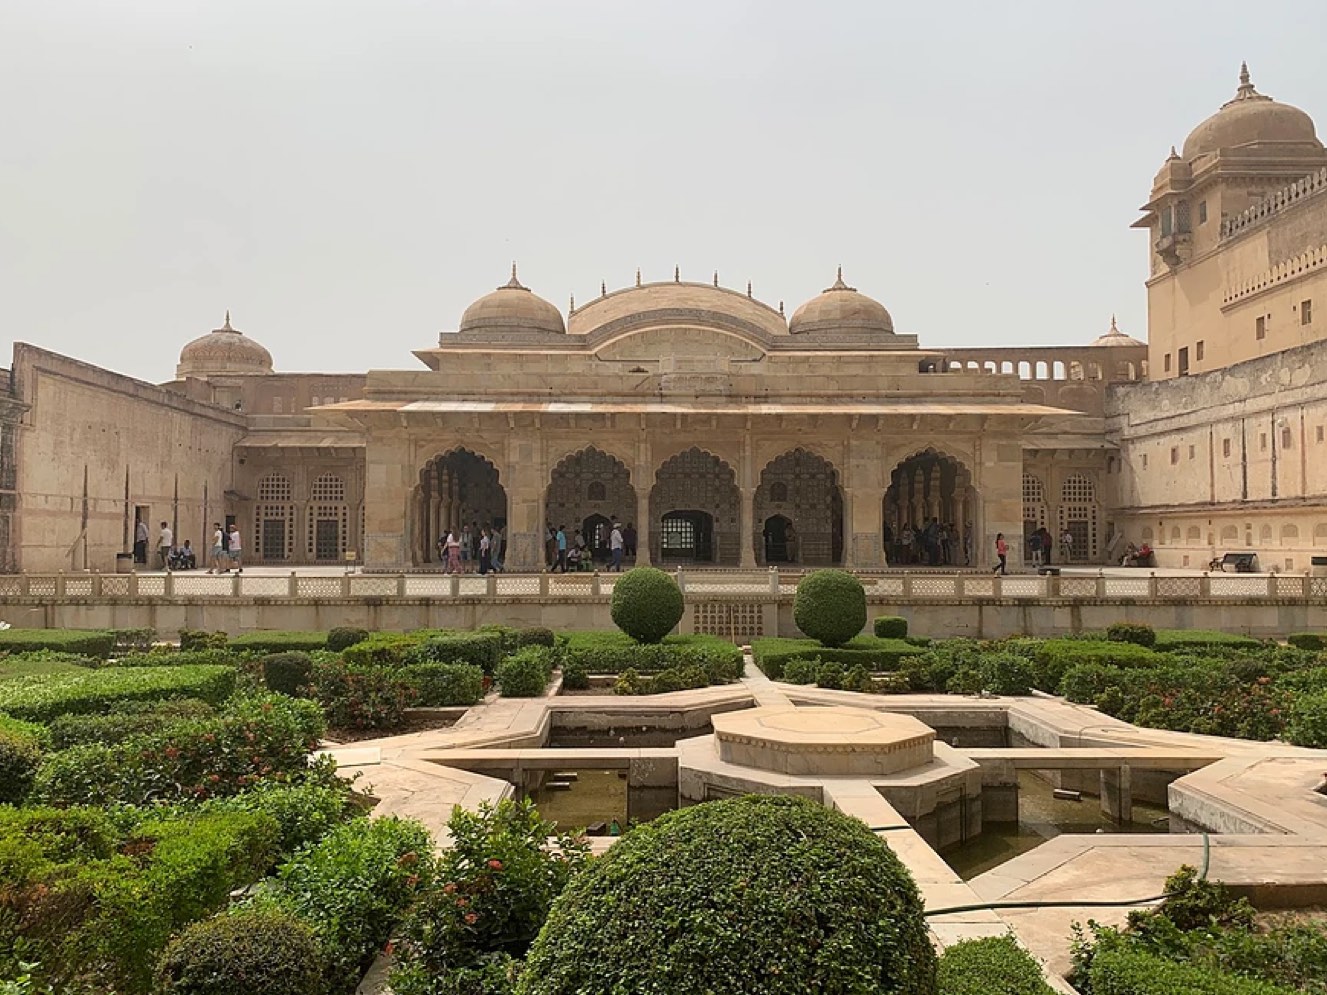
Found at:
[1144, 555]
[1130, 557]
[183, 557]
[574, 558]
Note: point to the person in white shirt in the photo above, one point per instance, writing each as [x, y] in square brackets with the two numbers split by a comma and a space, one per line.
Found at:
[165, 543]
[235, 549]
[140, 541]
[615, 544]
[217, 549]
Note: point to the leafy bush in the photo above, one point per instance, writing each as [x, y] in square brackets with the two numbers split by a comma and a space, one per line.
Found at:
[352, 889]
[802, 670]
[483, 649]
[287, 673]
[20, 755]
[1307, 725]
[253, 738]
[94, 643]
[343, 637]
[1315, 641]
[169, 656]
[630, 682]
[575, 675]
[40, 699]
[361, 697]
[670, 679]
[272, 641]
[1170, 640]
[535, 635]
[772, 654]
[124, 719]
[830, 606]
[254, 951]
[993, 965]
[493, 890]
[1134, 972]
[829, 675]
[304, 811]
[199, 639]
[647, 604]
[709, 896]
[1132, 632]
[858, 678]
[1006, 673]
[525, 674]
[1053, 657]
[87, 899]
[614, 652]
[891, 627]
[444, 684]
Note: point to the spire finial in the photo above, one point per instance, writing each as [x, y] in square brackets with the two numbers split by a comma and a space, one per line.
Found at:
[1246, 89]
[677, 274]
[1244, 73]
[638, 276]
[1173, 153]
[226, 326]
[1114, 329]
[514, 283]
[716, 277]
[571, 308]
[780, 307]
[603, 288]
[748, 288]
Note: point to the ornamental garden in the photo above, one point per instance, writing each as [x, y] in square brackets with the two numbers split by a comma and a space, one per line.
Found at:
[299, 813]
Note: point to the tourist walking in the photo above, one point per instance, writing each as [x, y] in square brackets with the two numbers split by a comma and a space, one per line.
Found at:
[140, 541]
[218, 548]
[442, 552]
[1034, 547]
[1067, 546]
[165, 543]
[1002, 553]
[485, 551]
[560, 539]
[1047, 542]
[235, 549]
[615, 544]
[453, 553]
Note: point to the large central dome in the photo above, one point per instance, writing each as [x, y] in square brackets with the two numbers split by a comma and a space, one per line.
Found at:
[1250, 119]
[841, 307]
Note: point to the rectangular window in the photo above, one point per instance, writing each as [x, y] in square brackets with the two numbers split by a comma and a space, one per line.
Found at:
[1262, 441]
[1202, 212]
[1165, 362]
[1286, 438]
[1306, 312]
[1191, 452]
[1144, 461]
[1320, 433]
[1260, 327]
[1174, 455]
[1184, 361]
[1167, 222]
[1198, 351]
[1225, 447]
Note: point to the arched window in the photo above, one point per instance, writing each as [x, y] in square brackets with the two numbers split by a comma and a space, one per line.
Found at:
[597, 491]
[778, 492]
[1079, 515]
[1193, 535]
[1034, 504]
[328, 518]
[274, 518]
[1174, 533]
[1230, 533]
[1289, 533]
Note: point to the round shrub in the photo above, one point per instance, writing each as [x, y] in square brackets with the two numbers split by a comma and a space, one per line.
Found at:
[801, 671]
[287, 673]
[891, 627]
[858, 678]
[829, 675]
[525, 673]
[992, 965]
[647, 604]
[771, 894]
[20, 756]
[830, 606]
[1132, 632]
[445, 685]
[1006, 673]
[1308, 721]
[258, 952]
[344, 637]
[575, 675]
[535, 635]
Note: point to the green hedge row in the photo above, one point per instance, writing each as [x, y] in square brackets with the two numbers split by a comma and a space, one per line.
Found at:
[41, 699]
[772, 655]
[1133, 972]
[278, 642]
[96, 643]
[616, 653]
[20, 755]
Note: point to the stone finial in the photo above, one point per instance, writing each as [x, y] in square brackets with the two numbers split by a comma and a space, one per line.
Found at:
[571, 307]
[677, 274]
[780, 307]
[1245, 90]
[1173, 153]
[226, 327]
[748, 288]
[1114, 329]
[638, 276]
[838, 282]
[1244, 74]
[603, 287]
[513, 283]
[716, 277]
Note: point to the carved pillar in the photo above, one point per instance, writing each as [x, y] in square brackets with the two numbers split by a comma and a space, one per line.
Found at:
[642, 527]
[746, 529]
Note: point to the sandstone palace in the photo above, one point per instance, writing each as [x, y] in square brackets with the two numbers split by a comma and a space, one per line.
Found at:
[731, 434]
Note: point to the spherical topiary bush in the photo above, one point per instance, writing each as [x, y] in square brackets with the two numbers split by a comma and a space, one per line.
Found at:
[647, 604]
[830, 606]
[256, 952]
[769, 894]
[343, 637]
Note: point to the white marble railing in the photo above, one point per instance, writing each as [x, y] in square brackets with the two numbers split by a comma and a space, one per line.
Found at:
[880, 587]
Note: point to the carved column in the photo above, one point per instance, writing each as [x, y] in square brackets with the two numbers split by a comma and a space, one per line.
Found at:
[642, 527]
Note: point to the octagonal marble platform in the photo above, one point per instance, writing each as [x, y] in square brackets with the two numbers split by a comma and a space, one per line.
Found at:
[833, 741]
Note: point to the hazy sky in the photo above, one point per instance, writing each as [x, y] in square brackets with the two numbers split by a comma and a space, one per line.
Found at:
[347, 177]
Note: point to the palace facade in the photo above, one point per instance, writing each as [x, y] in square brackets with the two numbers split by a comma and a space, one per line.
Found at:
[732, 435]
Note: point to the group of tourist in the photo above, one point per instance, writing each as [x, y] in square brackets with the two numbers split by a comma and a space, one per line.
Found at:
[1041, 544]
[170, 556]
[473, 548]
[563, 554]
[934, 544]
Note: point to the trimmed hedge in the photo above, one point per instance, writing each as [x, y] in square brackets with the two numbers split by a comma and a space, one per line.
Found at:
[647, 604]
[1133, 972]
[482, 649]
[526, 673]
[1315, 641]
[95, 643]
[1169, 640]
[361, 697]
[575, 675]
[274, 641]
[830, 606]
[444, 684]
[162, 656]
[254, 951]
[891, 627]
[40, 699]
[93, 902]
[201, 639]
[20, 756]
[993, 965]
[770, 894]
[1052, 657]
[773, 654]
[616, 652]
[343, 637]
[385, 649]
[287, 673]
[304, 812]
[1307, 725]
[1131, 632]
[124, 719]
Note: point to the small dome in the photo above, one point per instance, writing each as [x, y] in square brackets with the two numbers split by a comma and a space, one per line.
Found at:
[1249, 119]
[512, 308]
[1115, 337]
[841, 307]
[223, 350]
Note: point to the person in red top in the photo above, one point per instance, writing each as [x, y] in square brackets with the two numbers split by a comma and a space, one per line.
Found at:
[1002, 551]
